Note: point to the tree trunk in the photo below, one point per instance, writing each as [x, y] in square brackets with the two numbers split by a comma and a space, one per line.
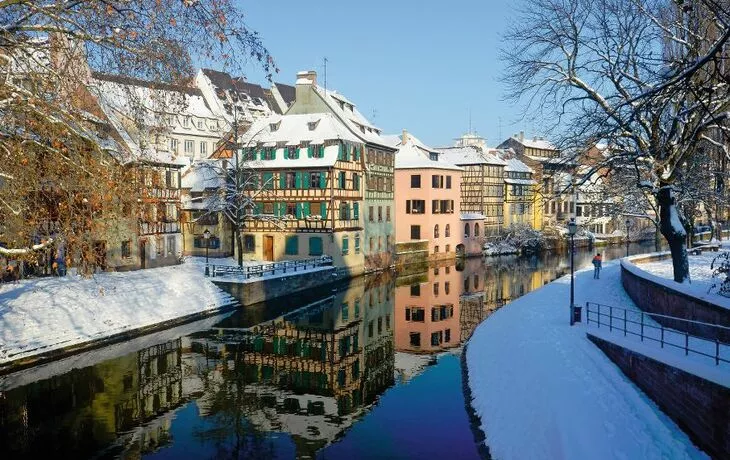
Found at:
[673, 231]
[239, 246]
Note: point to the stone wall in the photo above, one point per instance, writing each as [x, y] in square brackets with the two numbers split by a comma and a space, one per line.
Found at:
[700, 407]
[254, 292]
[652, 297]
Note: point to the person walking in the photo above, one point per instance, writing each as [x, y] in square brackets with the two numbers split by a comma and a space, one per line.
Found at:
[597, 266]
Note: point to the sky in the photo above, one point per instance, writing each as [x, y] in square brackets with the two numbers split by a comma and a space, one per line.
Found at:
[424, 66]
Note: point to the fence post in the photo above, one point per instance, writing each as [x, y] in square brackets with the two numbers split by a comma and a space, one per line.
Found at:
[610, 318]
[642, 326]
[599, 315]
[662, 341]
[717, 352]
[624, 322]
[588, 313]
[686, 343]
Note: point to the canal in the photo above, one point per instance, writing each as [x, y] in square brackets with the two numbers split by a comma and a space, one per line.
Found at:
[369, 368]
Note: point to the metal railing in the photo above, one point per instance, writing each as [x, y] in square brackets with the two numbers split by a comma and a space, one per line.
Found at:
[639, 324]
[287, 266]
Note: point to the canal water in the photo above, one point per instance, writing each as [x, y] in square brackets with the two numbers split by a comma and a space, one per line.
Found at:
[366, 369]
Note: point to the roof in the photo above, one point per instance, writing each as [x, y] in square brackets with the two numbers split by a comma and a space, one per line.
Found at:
[201, 175]
[250, 99]
[130, 81]
[515, 165]
[287, 92]
[509, 180]
[292, 130]
[536, 143]
[469, 155]
[411, 156]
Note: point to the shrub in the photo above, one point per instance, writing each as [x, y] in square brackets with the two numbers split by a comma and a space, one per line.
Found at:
[721, 274]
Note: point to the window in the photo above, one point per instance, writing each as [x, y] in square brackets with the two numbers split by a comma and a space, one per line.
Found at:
[341, 177]
[380, 243]
[437, 181]
[345, 311]
[200, 124]
[372, 244]
[415, 232]
[126, 249]
[316, 180]
[371, 211]
[415, 314]
[415, 207]
[436, 231]
[467, 230]
[476, 229]
[476, 282]
[447, 287]
[173, 145]
[357, 243]
[292, 245]
[448, 181]
[380, 213]
[160, 245]
[436, 338]
[186, 122]
[355, 181]
[436, 289]
[345, 245]
[170, 245]
[447, 232]
[416, 181]
[344, 211]
[291, 152]
[448, 248]
[415, 339]
[290, 180]
[415, 290]
[380, 325]
[447, 335]
[315, 246]
[436, 249]
[371, 328]
[249, 243]
[203, 149]
[189, 147]
[387, 213]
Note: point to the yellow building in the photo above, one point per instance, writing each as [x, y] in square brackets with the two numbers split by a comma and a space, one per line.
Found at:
[520, 206]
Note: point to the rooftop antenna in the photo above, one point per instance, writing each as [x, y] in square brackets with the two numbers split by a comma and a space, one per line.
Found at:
[325, 74]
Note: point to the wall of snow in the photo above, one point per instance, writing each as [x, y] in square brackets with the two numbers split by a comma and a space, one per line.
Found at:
[655, 295]
[700, 407]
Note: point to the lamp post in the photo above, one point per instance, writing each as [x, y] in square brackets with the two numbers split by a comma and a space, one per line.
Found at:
[572, 229]
[627, 237]
[206, 237]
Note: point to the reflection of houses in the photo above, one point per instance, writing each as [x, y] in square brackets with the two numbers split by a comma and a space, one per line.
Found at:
[86, 410]
[327, 175]
[427, 312]
[427, 208]
[311, 372]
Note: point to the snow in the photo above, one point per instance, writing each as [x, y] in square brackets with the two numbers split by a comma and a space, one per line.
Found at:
[40, 315]
[469, 155]
[472, 216]
[662, 273]
[410, 156]
[202, 175]
[515, 165]
[554, 385]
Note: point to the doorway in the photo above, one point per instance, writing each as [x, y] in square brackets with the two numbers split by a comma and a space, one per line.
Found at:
[143, 253]
[269, 248]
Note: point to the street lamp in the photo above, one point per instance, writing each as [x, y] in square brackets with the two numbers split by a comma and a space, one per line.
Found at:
[206, 237]
[572, 229]
[627, 237]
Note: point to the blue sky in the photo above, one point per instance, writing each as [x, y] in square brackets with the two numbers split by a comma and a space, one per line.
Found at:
[418, 65]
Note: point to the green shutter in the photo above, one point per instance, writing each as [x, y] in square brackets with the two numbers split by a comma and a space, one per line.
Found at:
[282, 180]
[298, 179]
[281, 209]
[306, 208]
[356, 182]
[268, 180]
[345, 244]
[315, 246]
[273, 154]
[356, 211]
[292, 245]
[323, 209]
[339, 151]
[323, 179]
[258, 208]
[357, 153]
[310, 152]
[298, 208]
[306, 179]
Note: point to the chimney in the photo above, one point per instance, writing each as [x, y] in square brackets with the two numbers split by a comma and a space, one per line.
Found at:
[305, 82]
[404, 137]
[522, 136]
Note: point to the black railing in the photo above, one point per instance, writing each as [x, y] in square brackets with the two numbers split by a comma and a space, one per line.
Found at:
[287, 266]
[640, 324]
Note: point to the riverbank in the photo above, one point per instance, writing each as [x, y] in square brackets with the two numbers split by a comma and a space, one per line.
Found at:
[531, 373]
[46, 318]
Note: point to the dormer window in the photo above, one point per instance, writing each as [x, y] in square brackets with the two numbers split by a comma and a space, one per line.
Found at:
[200, 124]
[186, 122]
[362, 128]
[342, 105]
[312, 125]
[274, 126]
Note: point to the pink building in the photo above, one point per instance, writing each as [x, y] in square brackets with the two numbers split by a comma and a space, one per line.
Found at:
[427, 200]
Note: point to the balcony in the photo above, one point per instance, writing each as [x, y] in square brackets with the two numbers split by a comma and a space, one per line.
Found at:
[152, 228]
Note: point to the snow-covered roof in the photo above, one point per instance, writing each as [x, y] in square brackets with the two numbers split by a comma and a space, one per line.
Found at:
[292, 130]
[201, 175]
[410, 156]
[472, 216]
[469, 155]
[515, 165]
[509, 180]
[536, 143]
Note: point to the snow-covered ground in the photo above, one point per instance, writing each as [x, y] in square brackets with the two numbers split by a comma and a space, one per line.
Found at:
[39, 315]
[543, 390]
[700, 275]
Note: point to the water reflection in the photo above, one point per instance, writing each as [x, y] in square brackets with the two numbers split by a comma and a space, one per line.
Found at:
[336, 373]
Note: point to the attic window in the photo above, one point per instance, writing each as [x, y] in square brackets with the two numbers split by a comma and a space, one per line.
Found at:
[351, 107]
[200, 124]
[274, 126]
[342, 105]
[312, 125]
[362, 128]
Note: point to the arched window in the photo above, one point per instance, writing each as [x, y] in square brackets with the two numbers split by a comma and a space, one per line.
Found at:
[476, 229]
[447, 231]
[436, 231]
[467, 230]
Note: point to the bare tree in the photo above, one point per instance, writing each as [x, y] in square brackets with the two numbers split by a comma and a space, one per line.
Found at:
[55, 167]
[641, 75]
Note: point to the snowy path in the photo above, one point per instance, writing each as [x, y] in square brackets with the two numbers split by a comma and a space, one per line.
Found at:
[543, 390]
[40, 315]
